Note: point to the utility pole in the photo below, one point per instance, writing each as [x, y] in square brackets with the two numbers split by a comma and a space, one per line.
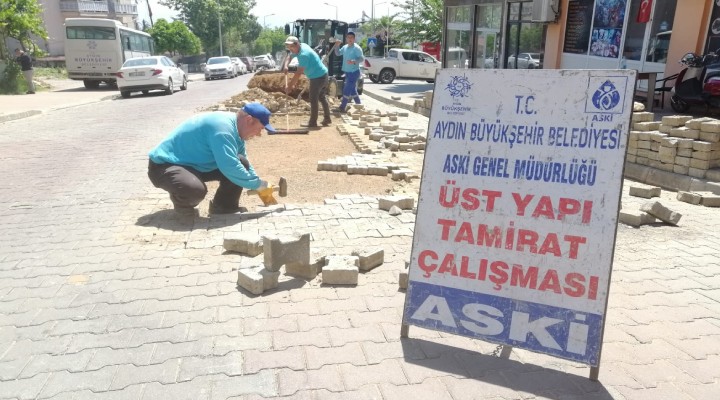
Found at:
[150, 12]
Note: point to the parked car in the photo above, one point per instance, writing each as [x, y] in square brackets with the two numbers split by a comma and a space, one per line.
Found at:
[240, 67]
[143, 74]
[219, 67]
[249, 63]
[525, 61]
[264, 62]
[401, 63]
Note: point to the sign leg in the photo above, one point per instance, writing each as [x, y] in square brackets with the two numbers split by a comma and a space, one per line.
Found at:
[506, 350]
[594, 373]
[404, 330]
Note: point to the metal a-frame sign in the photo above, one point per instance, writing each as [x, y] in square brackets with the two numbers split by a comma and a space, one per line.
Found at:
[518, 208]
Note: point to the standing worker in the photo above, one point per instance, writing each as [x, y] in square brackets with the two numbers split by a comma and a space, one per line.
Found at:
[352, 59]
[27, 69]
[209, 147]
[311, 65]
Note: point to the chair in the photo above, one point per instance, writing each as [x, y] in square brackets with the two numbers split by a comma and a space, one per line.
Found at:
[665, 87]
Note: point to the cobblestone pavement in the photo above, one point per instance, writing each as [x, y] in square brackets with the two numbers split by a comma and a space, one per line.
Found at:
[106, 294]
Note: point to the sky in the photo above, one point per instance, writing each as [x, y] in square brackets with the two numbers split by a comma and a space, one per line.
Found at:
[276, 13]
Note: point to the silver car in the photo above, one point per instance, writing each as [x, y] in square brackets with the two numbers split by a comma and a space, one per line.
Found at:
[219, 67]
[144, 74]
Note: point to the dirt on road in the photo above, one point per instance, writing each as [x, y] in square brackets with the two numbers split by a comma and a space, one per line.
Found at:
[295, 156]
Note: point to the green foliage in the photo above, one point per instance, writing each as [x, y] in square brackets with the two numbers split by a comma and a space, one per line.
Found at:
[50, 73]
[10, 79]
[270, 41]
[20, 19]
[174, 37]
[421, 21]
[202, 16]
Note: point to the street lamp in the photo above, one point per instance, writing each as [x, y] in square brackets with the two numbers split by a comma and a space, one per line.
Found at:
[336, 9]
[265, 16]
[387, 41]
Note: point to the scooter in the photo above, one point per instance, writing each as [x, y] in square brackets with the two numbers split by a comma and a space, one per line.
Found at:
[698, 83]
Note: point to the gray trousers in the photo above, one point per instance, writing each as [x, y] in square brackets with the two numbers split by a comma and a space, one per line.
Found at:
[187, 188]
[29, 79]
[318, 87]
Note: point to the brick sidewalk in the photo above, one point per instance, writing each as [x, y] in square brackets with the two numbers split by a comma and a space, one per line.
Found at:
[104, 293]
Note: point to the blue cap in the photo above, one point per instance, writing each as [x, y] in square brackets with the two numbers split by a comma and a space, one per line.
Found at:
[350, 33]
[260, 112]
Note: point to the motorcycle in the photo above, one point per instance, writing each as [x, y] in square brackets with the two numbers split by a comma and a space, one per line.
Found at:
[698, 83]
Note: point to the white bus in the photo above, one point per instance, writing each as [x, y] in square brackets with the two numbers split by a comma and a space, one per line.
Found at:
[95, 49]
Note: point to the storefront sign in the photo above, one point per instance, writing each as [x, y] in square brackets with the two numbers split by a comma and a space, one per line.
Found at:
[518, 207]
[607, 28]
[713, 38]
[577, 31]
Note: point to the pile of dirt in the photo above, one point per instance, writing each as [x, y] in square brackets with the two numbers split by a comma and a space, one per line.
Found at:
[274, 82]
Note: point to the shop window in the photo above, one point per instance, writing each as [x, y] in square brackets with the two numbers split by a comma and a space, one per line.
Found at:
[459, 36]
[487, 35]
[525, 39]
[649, 41]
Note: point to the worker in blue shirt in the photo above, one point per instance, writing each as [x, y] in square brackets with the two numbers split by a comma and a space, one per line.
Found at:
[209, 147]
[310, 64]
[352, 59]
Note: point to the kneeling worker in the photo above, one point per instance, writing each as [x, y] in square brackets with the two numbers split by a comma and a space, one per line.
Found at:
[209, 147]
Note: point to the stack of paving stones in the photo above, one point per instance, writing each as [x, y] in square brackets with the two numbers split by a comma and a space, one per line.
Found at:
[293, 252]
[382, 127]
[424, 105]
[366, 164]
[678, 144]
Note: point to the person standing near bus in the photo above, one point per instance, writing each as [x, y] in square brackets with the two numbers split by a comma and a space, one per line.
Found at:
[352, 59]
[27, 69]
[312, 66]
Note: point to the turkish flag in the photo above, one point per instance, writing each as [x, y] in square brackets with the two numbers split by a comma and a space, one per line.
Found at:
[643, 15]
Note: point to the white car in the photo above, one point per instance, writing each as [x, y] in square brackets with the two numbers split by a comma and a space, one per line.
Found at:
[264, 62]
[219, 67]
[144, 74]
[240, 68]
[525, 61]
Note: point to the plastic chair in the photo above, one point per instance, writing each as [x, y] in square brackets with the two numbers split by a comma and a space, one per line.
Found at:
[664, 87]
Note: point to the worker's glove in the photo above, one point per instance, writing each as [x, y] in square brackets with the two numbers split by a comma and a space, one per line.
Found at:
[263, 185]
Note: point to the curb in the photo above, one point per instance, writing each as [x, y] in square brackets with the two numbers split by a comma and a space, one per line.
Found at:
[396, 103]
[24, 114]
[669, 180]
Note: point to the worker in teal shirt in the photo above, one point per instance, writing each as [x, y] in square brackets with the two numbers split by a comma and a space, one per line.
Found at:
[310, 64]
[352, 59]
[209, 147]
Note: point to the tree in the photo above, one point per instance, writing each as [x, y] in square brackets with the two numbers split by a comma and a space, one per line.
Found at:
[21, 20]
[174, 37]
[202, 17]
[421, 21]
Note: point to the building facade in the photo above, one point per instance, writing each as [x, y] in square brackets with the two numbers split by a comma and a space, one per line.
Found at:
[56, 11]
[646, 35]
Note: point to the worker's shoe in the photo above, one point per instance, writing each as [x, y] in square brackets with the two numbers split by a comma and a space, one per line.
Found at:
[214, 209]
[326, 122]
[339, 110]
[310, 125]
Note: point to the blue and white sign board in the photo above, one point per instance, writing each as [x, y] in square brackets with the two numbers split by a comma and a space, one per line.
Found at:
[518, 207]
[371, 42]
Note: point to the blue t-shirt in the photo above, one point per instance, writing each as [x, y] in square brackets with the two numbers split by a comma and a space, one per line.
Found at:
[353, 52]
[308, 59]
[207, 142]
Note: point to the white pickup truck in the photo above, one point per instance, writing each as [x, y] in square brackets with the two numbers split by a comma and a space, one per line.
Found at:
[401, 63]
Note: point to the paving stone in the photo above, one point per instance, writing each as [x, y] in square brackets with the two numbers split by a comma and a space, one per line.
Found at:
[243, 242]
[661, 212]
[283, 250]
[269, 278]
[340, 270]
[689, 197]
[251, 279]
[404, 203]
[403, 280]
[644, 191]
[710, 199]
[229, 364]
[369, 258]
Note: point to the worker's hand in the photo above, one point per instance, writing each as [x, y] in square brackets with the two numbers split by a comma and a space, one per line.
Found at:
[263, 185]
[285, 70]
[337, 43]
